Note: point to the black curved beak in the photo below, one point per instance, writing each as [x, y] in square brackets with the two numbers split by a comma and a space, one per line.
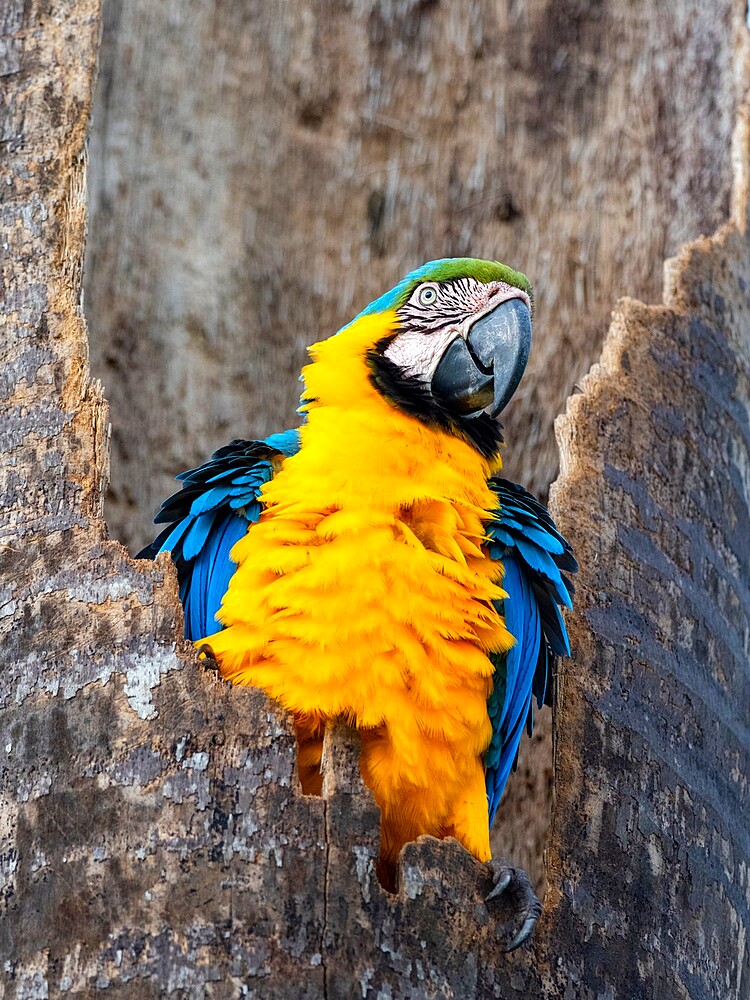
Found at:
[483, 371]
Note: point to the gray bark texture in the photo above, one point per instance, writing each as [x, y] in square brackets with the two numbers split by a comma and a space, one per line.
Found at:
[153, 837]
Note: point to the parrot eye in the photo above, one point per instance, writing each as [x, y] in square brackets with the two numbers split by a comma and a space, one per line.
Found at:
[427, 295]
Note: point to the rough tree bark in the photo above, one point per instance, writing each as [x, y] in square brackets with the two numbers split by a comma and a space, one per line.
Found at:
[260, 169]
[153, 839]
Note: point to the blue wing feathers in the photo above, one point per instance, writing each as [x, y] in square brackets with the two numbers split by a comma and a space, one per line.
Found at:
[197, 533]
[209, 515]
[211, 573]
[523, 621]
[287, 442]
[536, 558]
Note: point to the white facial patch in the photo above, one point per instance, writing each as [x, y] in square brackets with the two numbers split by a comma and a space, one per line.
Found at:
[418, 353]
[429, 329]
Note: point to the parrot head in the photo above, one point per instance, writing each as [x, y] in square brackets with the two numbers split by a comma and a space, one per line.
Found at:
[447, 345]
[463, 333]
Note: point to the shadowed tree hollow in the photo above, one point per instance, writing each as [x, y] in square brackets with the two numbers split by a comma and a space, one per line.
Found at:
[153, 838]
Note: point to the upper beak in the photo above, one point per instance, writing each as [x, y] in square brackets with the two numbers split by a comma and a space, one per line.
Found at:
[483, 371]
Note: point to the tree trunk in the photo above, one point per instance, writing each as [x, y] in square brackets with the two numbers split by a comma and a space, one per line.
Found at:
[153, 837]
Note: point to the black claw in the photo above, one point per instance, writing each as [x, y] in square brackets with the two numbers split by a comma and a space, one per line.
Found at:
[515, 880]
[502, 881]
[207, 658]
[524, 934]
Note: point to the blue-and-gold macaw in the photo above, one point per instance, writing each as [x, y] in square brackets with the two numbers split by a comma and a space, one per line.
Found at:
[372, 566]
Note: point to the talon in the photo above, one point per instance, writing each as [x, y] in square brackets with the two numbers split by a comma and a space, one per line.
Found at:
[500, 886]
[516, 882]
[207, 658]
[523, 935]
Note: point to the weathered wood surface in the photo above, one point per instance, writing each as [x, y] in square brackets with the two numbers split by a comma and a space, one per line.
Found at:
[653, 745]
[261, 169]
[153, 840]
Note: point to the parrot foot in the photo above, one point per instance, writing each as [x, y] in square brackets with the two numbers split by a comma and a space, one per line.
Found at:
[515, 881]
[207, 658]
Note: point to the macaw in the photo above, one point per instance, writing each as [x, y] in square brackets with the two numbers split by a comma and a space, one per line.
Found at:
[372, 566]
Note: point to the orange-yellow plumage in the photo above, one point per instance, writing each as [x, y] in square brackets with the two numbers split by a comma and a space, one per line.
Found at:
[363, 592]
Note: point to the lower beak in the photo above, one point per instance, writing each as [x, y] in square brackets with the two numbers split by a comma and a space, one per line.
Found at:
[483, 371]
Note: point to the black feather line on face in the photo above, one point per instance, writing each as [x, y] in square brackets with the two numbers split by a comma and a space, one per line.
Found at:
[456, 301]
[410, 394]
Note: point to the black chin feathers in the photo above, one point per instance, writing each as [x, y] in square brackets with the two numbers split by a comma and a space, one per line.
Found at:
[412, 396]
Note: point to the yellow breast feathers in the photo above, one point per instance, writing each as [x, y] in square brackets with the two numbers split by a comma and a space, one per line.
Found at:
[363, 593]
